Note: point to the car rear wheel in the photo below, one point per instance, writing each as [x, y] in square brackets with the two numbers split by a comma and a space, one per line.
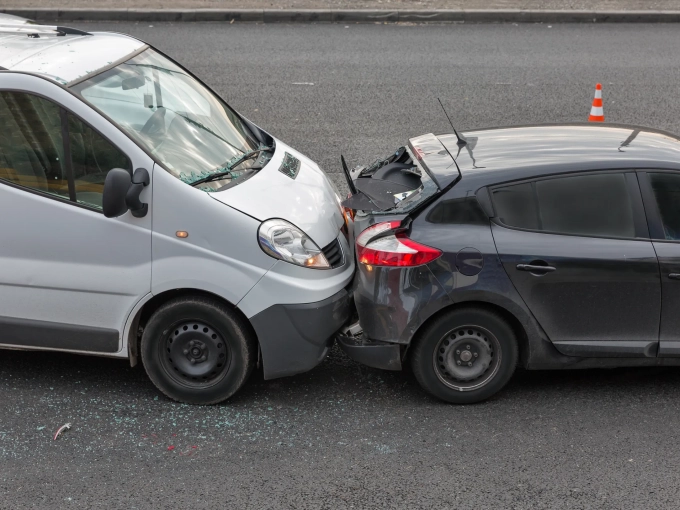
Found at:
[465, 356]
[197, 350]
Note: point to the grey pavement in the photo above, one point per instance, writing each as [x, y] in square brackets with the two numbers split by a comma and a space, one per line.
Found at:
[346, 436]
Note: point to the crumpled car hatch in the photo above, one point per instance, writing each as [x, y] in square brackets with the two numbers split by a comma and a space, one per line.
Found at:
[398, 180]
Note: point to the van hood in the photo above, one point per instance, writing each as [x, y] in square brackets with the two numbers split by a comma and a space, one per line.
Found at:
[291, 187]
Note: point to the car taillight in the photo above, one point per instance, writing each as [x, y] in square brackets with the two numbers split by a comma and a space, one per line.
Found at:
[395, 250]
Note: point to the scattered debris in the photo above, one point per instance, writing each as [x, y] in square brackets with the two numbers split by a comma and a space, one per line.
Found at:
[170, 448]
[61, 430]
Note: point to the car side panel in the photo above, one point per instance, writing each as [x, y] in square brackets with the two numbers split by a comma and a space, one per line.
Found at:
[490, 286]
[393, 303]
[603, 299]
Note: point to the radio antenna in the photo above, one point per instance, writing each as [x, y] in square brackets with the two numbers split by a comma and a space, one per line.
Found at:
[461, 141]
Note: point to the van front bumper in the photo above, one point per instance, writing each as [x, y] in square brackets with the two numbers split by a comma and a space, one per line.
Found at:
[295, 338]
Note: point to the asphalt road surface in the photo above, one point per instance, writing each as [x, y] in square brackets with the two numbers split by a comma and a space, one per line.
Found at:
[346, 436]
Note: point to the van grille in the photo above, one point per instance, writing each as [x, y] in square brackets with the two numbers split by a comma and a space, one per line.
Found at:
[333, 253]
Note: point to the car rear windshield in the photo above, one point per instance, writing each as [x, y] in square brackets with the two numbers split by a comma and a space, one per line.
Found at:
[175, 118]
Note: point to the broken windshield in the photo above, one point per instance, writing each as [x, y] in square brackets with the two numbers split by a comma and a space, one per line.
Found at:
[191, 132]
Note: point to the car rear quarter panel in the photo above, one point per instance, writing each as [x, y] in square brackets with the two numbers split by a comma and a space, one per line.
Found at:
[394, 302]
[490, 286]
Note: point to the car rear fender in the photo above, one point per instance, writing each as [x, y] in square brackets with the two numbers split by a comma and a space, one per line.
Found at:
[470, 270]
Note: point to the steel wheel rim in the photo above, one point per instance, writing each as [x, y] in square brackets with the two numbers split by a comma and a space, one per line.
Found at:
[467, 358]
[194, 354]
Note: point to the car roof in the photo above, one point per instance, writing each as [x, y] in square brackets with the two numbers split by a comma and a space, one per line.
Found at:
[62, 58]
[509, 153]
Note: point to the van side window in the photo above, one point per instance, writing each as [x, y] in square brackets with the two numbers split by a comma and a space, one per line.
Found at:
[666, 187]
[589, 205]
[93, 156]
[31, 144]
[33, 150]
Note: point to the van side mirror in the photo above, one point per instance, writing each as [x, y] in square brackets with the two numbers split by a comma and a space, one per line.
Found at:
[121, 193]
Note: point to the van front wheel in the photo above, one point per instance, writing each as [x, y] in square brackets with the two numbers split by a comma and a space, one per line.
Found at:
[197, 350]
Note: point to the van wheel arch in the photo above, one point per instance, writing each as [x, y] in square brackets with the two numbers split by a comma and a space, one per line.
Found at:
[153, 304]
[509, 317]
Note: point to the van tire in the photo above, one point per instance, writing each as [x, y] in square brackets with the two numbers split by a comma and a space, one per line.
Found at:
[465, 356]
[197, 350]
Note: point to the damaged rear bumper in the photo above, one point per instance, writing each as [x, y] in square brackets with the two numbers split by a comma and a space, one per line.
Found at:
[374, 354]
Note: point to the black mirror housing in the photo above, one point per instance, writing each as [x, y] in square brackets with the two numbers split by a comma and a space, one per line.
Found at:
[121, 193]
[116, 186]
[140, 180]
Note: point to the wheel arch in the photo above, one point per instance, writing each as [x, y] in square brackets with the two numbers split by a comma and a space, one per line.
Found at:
[513, 321]
[148, 308]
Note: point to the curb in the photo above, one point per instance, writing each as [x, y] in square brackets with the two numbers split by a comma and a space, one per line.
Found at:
[347, 16]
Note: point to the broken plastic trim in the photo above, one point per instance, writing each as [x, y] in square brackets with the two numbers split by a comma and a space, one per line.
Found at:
[348, 176]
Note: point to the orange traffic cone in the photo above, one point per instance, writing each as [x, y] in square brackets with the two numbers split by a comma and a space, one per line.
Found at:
[596, 112]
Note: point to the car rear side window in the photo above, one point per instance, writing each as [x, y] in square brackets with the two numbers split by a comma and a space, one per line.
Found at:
[589, 205]
[458, 211]
[666, 187]
[516, 206]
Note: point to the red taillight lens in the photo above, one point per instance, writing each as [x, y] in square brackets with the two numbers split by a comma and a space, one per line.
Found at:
[394, 250]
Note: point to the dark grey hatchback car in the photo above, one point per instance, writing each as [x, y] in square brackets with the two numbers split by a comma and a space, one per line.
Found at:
[550, 247]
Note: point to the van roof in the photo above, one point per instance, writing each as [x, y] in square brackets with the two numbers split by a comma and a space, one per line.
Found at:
[63, 58]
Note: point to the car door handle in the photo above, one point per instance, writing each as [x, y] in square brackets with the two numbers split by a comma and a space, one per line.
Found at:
[674, 276]
[535, 269]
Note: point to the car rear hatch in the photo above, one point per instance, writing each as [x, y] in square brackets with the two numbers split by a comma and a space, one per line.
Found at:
[403, 182]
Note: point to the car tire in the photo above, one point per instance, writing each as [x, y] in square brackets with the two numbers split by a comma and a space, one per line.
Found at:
[197, 350]
[465, 356]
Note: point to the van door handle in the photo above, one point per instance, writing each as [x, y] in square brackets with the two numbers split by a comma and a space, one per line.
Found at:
[674, 276]
[536, 269]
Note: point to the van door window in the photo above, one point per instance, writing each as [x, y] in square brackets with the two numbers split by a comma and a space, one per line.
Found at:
[33, 152]
[31, 144]
[93, 156]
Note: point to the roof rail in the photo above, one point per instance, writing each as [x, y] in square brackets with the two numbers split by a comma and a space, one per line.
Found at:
[37, 30]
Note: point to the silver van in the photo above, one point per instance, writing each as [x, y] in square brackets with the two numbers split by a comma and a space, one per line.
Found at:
[142, 217]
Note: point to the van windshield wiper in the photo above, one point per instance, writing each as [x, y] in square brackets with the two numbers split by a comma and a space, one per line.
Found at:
[229, 167]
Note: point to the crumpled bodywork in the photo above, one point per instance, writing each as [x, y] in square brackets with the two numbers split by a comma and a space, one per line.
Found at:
[393, 302]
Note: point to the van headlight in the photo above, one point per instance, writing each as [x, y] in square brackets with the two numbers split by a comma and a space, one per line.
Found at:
[283, 240]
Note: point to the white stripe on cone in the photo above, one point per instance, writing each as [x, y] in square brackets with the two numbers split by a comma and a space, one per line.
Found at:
[597, 111]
